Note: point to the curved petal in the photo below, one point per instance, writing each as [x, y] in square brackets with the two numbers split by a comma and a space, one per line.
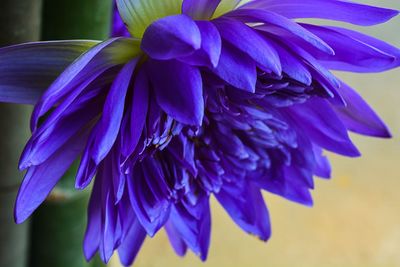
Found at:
[200, 9]
[339, 10]
[139, 14]
[317, 118]
[40, 180]
[250, 42]
[132, 243]
[27, 70]
[352, 54]
[372, 43]
[132, 130]
[292, 66]
[152, 210]
[193, 225]
[210, 50]
[178, 90]
[171, 37]
[175, 240]
[237, 68]
[118, 28]
[109, 124]
[322, 166]
[102, 57]
[358, 116]
[91, 240]
[247, 209]
[284, 26]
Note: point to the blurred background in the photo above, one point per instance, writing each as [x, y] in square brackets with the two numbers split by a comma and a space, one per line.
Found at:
[355, 221]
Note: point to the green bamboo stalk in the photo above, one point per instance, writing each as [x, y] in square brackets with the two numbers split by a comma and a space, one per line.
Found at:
[58, 225]
[76, 19]
[19, 22]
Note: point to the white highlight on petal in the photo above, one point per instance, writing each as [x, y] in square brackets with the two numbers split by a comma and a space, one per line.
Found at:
[139, 14]
[225, 6]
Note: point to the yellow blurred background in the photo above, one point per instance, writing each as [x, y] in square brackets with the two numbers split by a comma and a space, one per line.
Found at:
[355, 221]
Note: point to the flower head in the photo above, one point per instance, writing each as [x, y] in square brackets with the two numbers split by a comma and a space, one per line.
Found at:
[193, 99]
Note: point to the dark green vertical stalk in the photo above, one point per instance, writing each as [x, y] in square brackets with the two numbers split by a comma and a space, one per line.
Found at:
[19, 22]
[58, 225]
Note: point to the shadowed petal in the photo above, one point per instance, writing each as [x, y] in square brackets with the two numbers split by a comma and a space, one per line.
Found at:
[193, 225]
[132, 129]
[247, 208]
[92, 235]
[276, 23]
[178, 90]
[317, 118]
[250, 42]
[100, 58]
[339, 10]
[40, 180]
[322, 165]
[236, 68]
[210, 50]
[362, 57]
[27, 70]
[171, 37]
[176, 241]
[112, 113]
[200, 9]
[358, 116]
[132, 243]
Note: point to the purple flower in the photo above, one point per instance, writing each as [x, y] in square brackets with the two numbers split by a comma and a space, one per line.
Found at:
[193, 99]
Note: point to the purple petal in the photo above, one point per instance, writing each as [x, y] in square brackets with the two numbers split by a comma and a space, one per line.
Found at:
[339, 10]
[317, 118]
[279, 25]
[178, 90]
[250, 42]
[65, 121]
[107, 243]
[171, 37]
[351, 54]
[132, 243]
[236, 68]
[373, 43]
[109, 124]
[133, 128]
[293, 66]
[40, 180]
[151, 210]
[193, 230]
[322, 166]
[358, 116]
[27, 70]
[87, 167]
[200, 9]
[210, 50]
[174, 238]
[98, 59]
[248, 210]
[92, 235]
[118, 28]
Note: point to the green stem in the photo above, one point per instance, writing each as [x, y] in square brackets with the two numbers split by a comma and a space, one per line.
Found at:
[58, 225]
[19, 22]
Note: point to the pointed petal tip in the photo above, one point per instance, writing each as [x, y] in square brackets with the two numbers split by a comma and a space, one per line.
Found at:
[81, 185]
[20, 216]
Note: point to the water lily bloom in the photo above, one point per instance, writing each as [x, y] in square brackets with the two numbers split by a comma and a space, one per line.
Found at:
[193, 98]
